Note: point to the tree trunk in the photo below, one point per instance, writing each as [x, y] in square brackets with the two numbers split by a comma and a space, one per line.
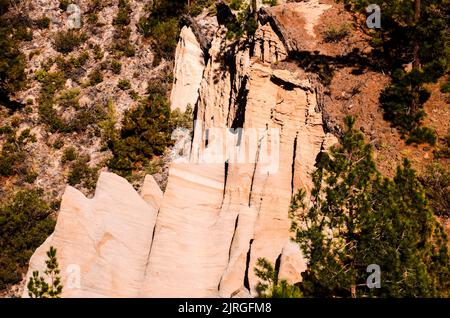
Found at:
[254, 9]
[353, 291]
[416, 60]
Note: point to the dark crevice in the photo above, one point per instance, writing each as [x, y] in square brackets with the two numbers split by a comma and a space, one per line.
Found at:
[286, 85]
[151, 245]
[229, 64]
[277, 268]
[247, 265]
[241, 104]
[236, 223]
[294, 156]
[227, 165]
[253, 174]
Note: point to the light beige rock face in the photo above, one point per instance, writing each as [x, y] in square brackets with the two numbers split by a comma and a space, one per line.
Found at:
[188, 71]
[268, 46]
[102, 243]
[215, 219]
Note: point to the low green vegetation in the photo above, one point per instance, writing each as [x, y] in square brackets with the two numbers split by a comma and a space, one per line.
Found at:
[436, 182]
[72, 67]
[67, 41]
[122, 44]
[335, 34]
[64, 4]
[13, 154]
[49, 286]
[116, 66]
[12, 64]
[124, 84]
[69, 154]
[244, 23]
[25, 222]
[95, 77]
[43, 22]
[270, 285]
[271, 3]
[145, 133]
[82, 174]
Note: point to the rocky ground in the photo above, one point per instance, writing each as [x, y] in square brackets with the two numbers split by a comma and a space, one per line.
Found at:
[137, 69]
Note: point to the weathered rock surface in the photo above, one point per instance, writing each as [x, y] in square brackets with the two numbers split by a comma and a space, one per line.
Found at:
[189, 66]
[106, 240]
[216, 218]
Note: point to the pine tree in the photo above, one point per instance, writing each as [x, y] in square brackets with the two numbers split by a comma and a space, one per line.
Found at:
[416, 32]
[357, 218]
[38, 287]
[270, 285]
[145, 133]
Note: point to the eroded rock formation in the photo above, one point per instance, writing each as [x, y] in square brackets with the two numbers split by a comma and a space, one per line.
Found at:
[203, 237]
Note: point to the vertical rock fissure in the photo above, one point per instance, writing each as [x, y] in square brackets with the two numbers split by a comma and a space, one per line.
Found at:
[255, 166]
[247, 265]
[254, 172]
[236, 223]
[230, 61]
[227, 165]
[151, 245]
[241, 104]
[277, 268]
[294, 156]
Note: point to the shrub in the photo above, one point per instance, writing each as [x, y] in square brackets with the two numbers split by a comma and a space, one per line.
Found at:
[81, 174]
[182, 120]
[68, 98]
[30, 177]
[335, 34]
[242, 24]
[445, 87]
[95, 77]
[86, 117]
[235, 4]
[271, 3]
[133, 94]
[69, 154]
[67, 41]
[422, 135]
[50, 84]
[13, 154]
[116, 66]
[64, 4]
[43, 22]
[59, 143]
[25, 223]
[443, 151]
[123, 17]
[124, 84]
[72, 67]
[436, 182]
[98, 53]
[145, 133]
[12, 65]
[122, 43]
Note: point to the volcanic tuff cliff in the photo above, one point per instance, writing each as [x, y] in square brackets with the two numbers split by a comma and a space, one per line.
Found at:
[203, 236]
